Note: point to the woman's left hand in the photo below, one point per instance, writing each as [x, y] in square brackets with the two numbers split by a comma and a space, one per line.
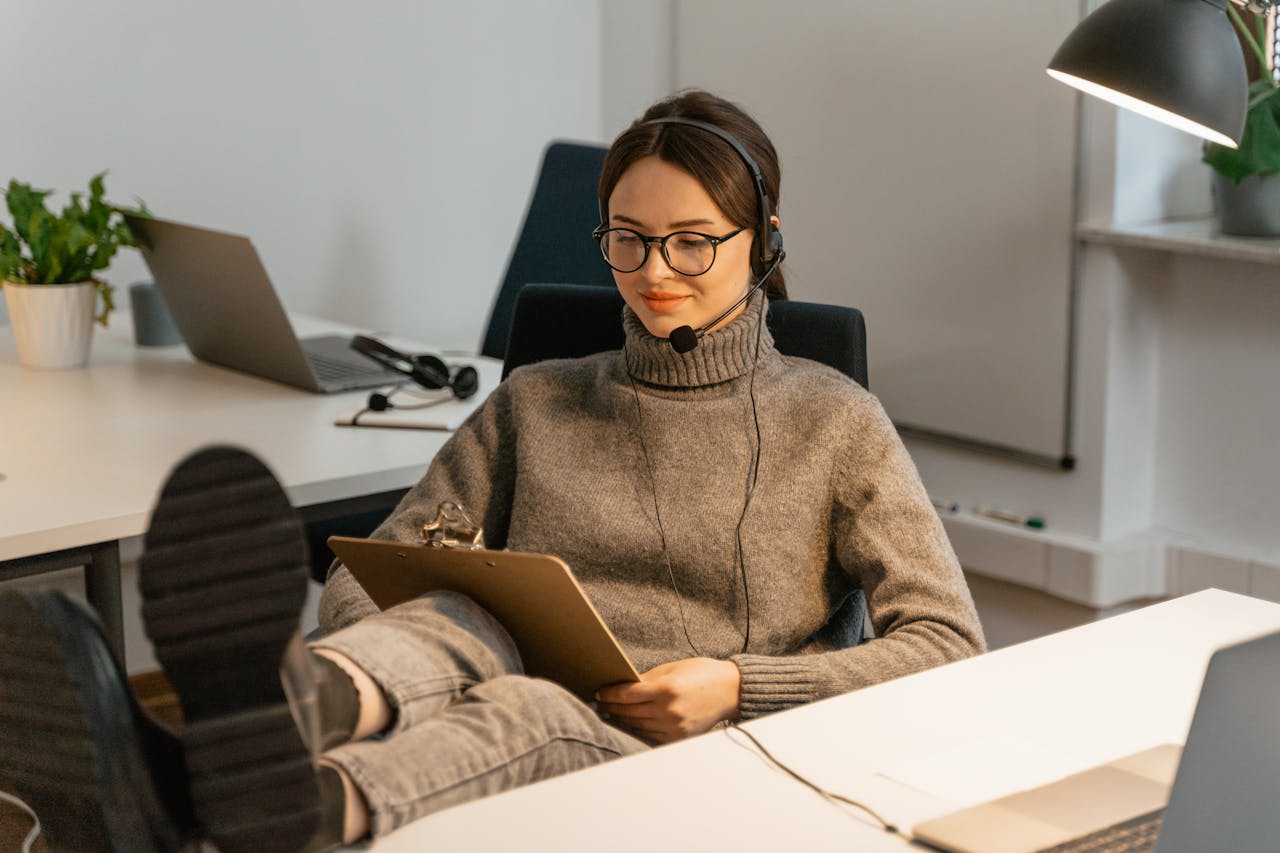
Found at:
[675, 700]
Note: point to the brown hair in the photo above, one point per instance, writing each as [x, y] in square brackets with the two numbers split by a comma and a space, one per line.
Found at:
[707, 157]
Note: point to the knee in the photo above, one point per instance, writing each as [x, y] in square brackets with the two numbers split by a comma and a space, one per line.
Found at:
[481, 638]
[454, 605]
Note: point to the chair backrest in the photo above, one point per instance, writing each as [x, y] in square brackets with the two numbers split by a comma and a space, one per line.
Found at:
[555, 240]
[568, 321]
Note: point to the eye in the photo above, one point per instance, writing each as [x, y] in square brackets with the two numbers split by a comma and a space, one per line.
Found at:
[689, 242]
[624, 239]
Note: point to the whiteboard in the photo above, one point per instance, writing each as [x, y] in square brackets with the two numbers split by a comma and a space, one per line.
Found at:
[929, 180]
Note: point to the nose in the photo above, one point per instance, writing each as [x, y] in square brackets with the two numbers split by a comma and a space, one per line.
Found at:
[655, 266]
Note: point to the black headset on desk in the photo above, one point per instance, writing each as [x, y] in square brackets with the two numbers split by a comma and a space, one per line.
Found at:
[428, 371]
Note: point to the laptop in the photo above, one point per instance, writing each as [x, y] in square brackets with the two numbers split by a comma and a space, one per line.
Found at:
[1225, 783]
[558, 631]
[223, 303]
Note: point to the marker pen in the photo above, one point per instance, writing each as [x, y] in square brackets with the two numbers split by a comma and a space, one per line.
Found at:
[1033, 521]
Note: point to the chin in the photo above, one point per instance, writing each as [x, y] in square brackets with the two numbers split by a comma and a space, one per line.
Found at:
[661, 326]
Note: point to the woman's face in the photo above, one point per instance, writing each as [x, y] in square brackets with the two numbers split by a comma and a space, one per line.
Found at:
[656, 198]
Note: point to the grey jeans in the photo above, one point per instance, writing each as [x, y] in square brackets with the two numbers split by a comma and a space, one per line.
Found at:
[467, 721]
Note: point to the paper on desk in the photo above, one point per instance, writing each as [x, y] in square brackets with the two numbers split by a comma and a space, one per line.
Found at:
[983, 770]
[413, 410]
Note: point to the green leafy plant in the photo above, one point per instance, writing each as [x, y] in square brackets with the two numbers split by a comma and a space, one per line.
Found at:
[1259, 151]
[63, 248]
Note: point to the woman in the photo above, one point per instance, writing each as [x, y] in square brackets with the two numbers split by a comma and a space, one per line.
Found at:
[722, 506]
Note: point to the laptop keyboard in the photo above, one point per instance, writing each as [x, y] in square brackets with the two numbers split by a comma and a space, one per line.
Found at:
[333, 371]
[1138, 834]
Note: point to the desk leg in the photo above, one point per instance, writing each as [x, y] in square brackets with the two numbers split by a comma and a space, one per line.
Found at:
[102, 589]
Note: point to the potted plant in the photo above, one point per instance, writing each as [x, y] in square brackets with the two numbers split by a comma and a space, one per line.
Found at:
[1247, 179]
[48, 267]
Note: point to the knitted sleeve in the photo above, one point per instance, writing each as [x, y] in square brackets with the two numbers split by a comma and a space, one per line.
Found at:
[474, 468]
[889, 539]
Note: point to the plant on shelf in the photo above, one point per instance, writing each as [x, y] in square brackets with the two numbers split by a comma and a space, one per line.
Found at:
[1259, 151]
[49, 265]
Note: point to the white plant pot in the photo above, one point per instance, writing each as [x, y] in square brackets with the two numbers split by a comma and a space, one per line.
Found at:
[52, 323]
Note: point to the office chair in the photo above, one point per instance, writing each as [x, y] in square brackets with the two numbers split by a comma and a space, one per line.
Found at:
[555, 241]
[568, 321]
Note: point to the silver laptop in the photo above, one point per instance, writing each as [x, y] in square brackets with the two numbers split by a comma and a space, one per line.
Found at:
[223, 303]
[1226, 794]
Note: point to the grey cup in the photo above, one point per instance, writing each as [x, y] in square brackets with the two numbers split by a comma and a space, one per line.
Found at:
[153, 325]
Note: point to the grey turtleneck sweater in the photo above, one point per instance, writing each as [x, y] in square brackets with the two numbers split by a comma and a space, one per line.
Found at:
[634, 467]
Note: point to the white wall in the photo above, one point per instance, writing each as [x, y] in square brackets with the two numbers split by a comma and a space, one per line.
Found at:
[379, 154]
[637, 59]
[1218, 435]
[933, 162]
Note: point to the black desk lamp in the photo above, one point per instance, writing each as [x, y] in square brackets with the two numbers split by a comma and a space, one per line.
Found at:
[1176, 61]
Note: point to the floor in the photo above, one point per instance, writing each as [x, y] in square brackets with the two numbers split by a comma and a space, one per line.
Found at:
[1014, 614]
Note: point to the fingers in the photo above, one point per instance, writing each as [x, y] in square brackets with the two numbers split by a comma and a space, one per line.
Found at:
[673, 700]
[638, 711]
[630, 716]
[634, 693]
[645, 720]
[654, 735]
[651, 729]
[648, 720]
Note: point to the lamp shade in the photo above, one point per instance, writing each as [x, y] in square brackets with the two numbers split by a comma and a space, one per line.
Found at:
[1176, 61]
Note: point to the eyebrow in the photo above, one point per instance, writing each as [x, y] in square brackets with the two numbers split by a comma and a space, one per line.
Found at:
[683, 223]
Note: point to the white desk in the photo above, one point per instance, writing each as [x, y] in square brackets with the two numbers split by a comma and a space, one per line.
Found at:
[83, 452]
[1092, 693]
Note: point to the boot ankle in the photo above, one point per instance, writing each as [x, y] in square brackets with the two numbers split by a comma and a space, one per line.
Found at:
[339, 702]
[333, 811]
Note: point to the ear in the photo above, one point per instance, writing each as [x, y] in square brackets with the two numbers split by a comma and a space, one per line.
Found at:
[774, 220]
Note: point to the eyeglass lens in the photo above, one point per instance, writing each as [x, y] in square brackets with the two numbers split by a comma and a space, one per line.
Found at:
[688, 253]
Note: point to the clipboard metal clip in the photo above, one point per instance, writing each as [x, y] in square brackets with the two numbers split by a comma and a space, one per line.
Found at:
[452, 528]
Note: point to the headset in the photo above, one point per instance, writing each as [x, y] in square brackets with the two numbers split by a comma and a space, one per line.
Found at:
[768, 239]
[429, 371]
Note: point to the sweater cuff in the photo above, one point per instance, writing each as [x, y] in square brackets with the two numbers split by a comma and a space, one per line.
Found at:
[774, 684]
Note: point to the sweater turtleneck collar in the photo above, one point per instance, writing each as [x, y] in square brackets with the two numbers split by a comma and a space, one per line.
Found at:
[720, 356]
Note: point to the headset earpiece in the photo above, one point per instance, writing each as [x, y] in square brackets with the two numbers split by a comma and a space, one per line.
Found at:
[772, 249]
[462, 381]
[433, 373]
[465, 382]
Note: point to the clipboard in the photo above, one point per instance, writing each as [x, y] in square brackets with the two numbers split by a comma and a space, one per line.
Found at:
[556, 628]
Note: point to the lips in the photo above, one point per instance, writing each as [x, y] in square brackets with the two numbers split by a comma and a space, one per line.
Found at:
[663, 303]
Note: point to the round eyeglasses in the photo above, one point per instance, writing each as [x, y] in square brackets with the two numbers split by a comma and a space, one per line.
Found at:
[687, 252]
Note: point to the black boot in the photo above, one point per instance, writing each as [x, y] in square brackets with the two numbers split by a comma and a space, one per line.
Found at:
[223, 582]
[100, 774]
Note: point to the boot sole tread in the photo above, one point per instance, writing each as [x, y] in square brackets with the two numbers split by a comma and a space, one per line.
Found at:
[223, 581]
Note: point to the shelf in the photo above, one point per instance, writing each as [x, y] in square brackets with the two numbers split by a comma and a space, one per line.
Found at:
[1184, 236]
